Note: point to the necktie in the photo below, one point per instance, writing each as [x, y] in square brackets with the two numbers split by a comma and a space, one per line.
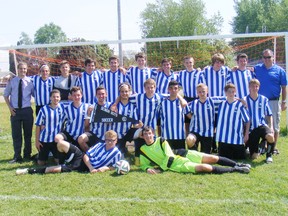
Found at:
[20, 94]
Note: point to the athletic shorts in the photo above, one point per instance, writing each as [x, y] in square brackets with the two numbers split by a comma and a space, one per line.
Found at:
[276, 113]
[74, 161]
[176, 144]
[187, 164]
[92, 139]
[206, 143]
[45, 149]
[232, 151]
[69, 138]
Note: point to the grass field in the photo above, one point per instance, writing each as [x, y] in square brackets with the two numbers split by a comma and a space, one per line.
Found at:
[262, 192]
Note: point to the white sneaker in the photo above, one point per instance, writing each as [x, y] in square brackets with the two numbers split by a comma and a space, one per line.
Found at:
[22, 171]
[269, 160]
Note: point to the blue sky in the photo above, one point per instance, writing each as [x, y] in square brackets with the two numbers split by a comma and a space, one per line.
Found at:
[89, 19]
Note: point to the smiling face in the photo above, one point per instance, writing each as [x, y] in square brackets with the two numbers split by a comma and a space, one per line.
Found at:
[44, 72]
[148, 136]
[90, 67]
[230, 93]
[55, 98]
[22, 70]
[101, 96]
[189, 64]
[202, 92]
[114, 64]
[141, 62]
[268, 58]
[76, 96]
[124, 92]
[65, 68]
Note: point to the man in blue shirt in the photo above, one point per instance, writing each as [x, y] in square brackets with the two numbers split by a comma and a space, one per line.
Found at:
[273, 81]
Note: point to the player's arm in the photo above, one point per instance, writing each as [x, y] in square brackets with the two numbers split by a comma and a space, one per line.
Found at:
[88, 164]
[269, 120]
[183, 102]
[145, 164]
[246, 131]
[284, 95]
[38, 145]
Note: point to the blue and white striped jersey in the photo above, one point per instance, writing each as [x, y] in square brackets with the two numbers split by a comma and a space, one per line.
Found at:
[88, 84]
[99, 156]
[172, 119]
[75, 118]
[162, 81]
[241, 80]
[258, 109]
[136, 77]
[189, 81]
[42, 89]
[111, 81]
[216, 80]
[230, 125]
[52, 120]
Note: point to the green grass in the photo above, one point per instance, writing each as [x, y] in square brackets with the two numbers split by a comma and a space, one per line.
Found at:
[262, 192]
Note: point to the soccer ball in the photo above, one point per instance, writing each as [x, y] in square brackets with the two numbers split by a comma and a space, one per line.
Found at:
[122, 167]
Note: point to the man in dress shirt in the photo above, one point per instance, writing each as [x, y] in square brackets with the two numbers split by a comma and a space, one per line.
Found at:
[17, 96]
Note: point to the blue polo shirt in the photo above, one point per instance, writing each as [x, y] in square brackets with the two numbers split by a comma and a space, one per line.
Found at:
[271, 80]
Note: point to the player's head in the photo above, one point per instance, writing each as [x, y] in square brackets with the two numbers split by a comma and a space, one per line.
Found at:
[230, 90]
[166, 64]
[124, 90]
[101, 94]
[110, 138]
[44, 71]
[90, 65]
[76, 93]
[202, 90]
[140, 58]
[188, 62]
[254, 86]
[55, 96]
[173, 87]
[113, 63]
[150, 86]
[218, 61]
[64, 68]
[242, 59]
[148, 134]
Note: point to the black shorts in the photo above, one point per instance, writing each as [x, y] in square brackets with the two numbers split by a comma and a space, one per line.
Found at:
[254, 138]
[44, 151]
[206, 143]
[69, 138]
[74, 161]
[231, 151]
[92, 139]
[176, 144]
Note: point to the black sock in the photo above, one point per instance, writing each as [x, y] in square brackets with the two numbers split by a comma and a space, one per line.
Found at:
[270, 149]
[37, 170]
[226, 162]
[220, 170]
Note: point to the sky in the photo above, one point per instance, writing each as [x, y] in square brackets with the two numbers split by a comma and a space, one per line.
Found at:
[89, 19]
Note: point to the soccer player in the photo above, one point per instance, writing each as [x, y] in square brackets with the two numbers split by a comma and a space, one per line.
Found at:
[125, 130]
[241, 77]
[136, 76]
[260, 113]
[43, 85]
[165, 76]
[230, 133]
[75, 115]
[189, 79]
[17, 95]
[97, 129]
[48, 124]
[89, 81]
[172, 117]
[100, 158]
[113, 78]
[202, 114]
[158, 151]
[65, 82]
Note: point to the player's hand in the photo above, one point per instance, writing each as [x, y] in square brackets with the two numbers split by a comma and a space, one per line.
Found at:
[12, 111]
[38, 145]
[251, 69]
[94, 171]
[122, 70]
[152, 171]
[113, 107]
[234, 68]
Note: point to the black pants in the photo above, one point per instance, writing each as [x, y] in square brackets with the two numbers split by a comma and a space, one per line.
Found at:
[22, 120]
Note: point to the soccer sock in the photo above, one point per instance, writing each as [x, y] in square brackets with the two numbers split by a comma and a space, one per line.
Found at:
[226, 162]
[220, 170]
[270, 149]
[37, 170]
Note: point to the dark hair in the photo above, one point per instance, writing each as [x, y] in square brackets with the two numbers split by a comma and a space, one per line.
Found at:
[166, 60]
[99, 88]
[54, 91]
[146, 129]
[113, 58]
[75, 89]
[172, 83]
[140, 55]
[229, 85]
[241, 55]
[89, 61]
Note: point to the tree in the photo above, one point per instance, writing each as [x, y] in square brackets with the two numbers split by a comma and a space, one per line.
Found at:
[167, 18]
[49, 34]
[24, 39]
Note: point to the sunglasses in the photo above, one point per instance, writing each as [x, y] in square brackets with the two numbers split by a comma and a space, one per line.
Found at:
[267, 57]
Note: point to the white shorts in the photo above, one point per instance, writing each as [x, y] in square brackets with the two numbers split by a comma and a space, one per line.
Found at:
[275, 108]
